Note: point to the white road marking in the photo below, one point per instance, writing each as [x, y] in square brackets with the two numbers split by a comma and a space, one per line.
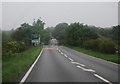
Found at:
[98, 58]
[78, 63]
[61, 53]
[30, 69]
[70, 59]
[59, 50]
[65, 55]
[90, 70]
[80, 67]
[102, 78]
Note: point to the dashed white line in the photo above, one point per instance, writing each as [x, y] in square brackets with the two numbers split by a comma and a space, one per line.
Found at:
[84, 69]
[78, 63]
[59, 51]
[80, 67]
[102, 78]
[65, 55]
[89, 70]
[70, 59]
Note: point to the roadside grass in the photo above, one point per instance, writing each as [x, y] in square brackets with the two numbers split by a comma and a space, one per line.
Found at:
[109, 57]
[12, 68]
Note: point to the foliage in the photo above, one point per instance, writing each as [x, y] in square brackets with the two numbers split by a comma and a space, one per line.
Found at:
[47, 35]
[102, 45]
[24, 32]
[17, 41]
[116, 34]
[6, 35]
[77, 33]
[106, 32]
[92, 44]
[12, 47]
[59, 32]
[12, 68]
[109, 57]
[90, 37]
[107, 46]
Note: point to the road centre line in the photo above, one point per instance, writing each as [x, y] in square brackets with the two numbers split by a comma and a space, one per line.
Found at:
[78, 64]
[61, 53]
[84, 69]
[89, 70]
[102, 78]
[30, 69]
[65, 55]
[70, 59]
[97, 58]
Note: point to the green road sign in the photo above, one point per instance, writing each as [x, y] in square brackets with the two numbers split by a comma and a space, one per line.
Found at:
[35, 36]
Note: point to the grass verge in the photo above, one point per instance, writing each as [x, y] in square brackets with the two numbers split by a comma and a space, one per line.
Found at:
[12, 68]
[109, 57]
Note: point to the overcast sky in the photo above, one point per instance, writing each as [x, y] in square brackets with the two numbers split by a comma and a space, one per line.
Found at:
[103, 14]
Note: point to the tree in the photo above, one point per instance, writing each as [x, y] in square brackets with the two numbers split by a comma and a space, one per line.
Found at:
[59, 32]
[39, 24]
[24, 32]
[116, 34]
[77, 33]
[47, 35]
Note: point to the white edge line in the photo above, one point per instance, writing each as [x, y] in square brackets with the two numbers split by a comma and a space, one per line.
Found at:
[102, 78]
[30, 69]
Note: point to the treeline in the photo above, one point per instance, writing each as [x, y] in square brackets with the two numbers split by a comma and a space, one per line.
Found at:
[19, 40]
[104, 40]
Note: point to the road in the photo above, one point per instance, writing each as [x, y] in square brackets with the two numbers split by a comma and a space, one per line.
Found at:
[62, 64]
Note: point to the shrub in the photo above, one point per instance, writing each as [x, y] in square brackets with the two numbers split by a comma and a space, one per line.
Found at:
[92, 44]
[102, 45]
[107, 46]
[12, 47]
[15, 46]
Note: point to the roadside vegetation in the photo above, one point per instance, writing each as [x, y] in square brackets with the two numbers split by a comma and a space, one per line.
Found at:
[14, 66]
[108, 57]
[95, 41]
[18, 52]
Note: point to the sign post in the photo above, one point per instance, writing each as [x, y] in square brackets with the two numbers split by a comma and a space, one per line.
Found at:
[35, 39]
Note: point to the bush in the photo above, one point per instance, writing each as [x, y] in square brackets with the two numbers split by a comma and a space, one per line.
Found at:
[107, 46]
[102, 45]
[92, 44]
[12, 47]
[15, 46]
